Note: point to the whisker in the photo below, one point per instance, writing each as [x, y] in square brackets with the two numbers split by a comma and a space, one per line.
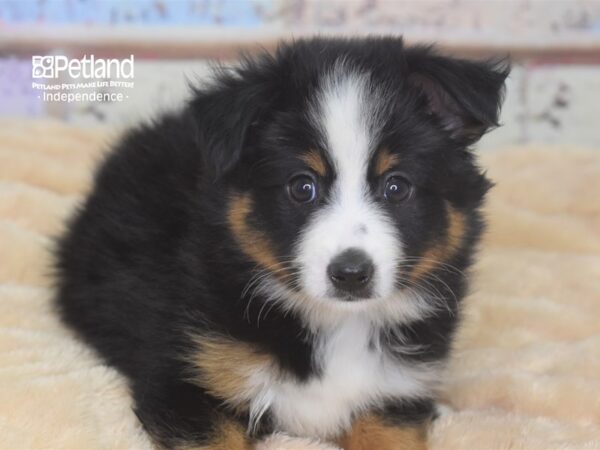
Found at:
[446, 266]
[262, 283]
[449, 289]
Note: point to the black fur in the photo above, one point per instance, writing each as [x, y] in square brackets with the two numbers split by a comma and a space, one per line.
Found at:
[148, 257]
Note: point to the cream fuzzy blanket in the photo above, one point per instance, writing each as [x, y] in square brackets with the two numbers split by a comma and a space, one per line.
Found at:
[526, 371]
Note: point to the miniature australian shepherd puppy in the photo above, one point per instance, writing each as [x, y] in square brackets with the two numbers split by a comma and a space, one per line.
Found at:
[281, 263]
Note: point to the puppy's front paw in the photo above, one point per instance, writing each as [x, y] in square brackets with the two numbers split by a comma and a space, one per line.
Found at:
[283, 442]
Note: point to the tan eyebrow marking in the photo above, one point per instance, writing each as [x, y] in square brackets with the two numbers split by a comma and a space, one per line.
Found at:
[316, 162]
[385, 161]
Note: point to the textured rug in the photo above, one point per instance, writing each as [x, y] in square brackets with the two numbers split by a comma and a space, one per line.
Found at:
[525, 373]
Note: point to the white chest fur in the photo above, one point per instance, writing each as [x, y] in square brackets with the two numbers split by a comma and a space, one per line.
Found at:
[354, 377]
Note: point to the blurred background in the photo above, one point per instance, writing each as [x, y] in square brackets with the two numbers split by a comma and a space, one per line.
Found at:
[553, 92]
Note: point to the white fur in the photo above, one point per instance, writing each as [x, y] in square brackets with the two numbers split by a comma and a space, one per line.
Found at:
[355, 376]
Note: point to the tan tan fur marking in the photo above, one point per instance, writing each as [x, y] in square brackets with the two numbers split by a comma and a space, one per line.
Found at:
[385, 161]
[315, 161]
[225, 366]
[253, 242]
[371, 433]
[442, 251]
[228, 435]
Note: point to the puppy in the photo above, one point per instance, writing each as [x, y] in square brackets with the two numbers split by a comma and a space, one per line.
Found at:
[283, 261]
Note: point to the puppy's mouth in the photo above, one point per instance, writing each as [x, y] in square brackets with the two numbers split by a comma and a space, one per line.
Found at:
[362, 294]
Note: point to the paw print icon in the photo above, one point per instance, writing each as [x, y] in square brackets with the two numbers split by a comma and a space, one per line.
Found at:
[42, 67]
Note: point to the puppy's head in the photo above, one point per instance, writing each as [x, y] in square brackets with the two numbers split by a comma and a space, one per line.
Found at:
[350, 188]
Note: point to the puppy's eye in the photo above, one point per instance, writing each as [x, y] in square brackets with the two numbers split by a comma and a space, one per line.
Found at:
[397, 189]
[302, 189]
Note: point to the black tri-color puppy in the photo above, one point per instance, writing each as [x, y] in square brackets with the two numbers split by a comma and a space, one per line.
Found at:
[282, 261]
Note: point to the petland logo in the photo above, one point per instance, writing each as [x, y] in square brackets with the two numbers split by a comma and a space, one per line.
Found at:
[87, 80]
[51, 67]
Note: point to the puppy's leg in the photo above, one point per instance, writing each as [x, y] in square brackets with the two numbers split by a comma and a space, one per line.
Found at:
[180, 415]
[397, 427]
[372, 433]
[226, 435]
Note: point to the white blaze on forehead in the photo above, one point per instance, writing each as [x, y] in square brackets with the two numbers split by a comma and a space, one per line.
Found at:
[345, 117]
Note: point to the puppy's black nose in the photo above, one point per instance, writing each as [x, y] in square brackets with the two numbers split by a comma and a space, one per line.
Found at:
[351, 271]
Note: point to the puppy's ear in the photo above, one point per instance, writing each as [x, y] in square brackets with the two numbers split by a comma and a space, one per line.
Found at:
[227, 112]
[465, 96]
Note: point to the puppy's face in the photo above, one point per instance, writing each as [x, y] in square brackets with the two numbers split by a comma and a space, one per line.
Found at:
[353, 189]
